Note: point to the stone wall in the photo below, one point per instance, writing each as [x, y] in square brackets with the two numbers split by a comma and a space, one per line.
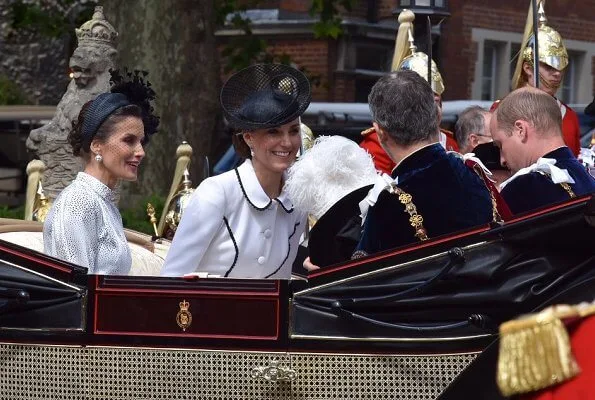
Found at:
[38, 65]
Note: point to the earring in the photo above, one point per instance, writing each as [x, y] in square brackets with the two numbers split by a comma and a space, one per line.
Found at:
[251, 152]
[98, 158]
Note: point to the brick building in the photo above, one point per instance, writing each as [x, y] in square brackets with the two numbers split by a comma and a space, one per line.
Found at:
[473, 47]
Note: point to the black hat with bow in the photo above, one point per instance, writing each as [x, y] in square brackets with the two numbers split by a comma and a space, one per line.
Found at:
[264, 96]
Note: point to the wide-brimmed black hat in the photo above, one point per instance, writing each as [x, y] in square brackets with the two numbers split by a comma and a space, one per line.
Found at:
[264, 96]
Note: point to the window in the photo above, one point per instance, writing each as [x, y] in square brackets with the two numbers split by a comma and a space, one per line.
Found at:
[515, 49]
[364, 60]
[488, 75]
[567, 90]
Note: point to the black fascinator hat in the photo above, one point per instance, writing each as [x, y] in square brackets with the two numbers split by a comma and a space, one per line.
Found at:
[139, 92]
[264, 96]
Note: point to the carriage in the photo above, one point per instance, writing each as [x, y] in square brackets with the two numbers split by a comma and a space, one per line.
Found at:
[399, 324]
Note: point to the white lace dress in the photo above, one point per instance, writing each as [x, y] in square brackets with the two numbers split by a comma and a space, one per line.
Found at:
[85, 228]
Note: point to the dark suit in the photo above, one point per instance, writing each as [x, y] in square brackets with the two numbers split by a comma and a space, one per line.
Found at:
[448, 195]
[535, 190]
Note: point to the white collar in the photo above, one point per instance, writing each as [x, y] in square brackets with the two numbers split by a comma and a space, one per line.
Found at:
[254, 193]
[442, 139]
[471, 156]
[545, 166]
[382, 182]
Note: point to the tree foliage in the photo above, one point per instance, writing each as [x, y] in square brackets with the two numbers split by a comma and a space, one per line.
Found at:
[50, 18]
[244, 50]
[11, 93]
[329, 23]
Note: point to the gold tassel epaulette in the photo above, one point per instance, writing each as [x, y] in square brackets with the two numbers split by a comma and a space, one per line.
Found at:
[535, 351]
[368, 131]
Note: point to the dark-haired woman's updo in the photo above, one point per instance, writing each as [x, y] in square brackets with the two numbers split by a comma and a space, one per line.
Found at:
[80, 148]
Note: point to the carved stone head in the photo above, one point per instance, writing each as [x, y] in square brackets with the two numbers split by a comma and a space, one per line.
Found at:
[90, 64]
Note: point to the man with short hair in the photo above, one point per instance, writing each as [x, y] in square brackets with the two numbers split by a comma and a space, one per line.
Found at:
[433, 192]
[472, 128]
[526, 127]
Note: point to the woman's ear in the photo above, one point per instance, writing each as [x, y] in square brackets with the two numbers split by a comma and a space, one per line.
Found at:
[247, 138]
[95, 147]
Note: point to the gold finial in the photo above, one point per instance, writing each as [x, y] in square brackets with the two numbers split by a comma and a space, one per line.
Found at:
[187, 183]
[152, 218]
[541, 13]
[184, 150]
[406, 16]
[42, 210]
[412, 45]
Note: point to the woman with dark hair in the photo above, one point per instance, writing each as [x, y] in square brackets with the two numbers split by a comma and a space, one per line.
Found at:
[84, 225]
[241, 223]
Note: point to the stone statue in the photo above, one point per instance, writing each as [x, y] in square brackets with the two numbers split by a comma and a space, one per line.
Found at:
[90, 64]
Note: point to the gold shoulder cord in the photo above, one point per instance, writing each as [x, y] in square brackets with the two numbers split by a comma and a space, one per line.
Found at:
[564, 185]
[496, 217]
[568, 189]
[415, 219]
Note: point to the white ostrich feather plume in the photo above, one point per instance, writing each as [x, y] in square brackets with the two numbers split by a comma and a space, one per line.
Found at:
[334, 167]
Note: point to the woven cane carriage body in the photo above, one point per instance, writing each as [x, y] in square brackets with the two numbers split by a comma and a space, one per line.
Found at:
[401, 324]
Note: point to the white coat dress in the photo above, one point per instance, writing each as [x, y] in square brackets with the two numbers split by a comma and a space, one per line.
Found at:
[231, 228]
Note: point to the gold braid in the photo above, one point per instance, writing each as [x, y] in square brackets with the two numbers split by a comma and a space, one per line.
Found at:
[568, 189]
[415, 219]
[496, 217]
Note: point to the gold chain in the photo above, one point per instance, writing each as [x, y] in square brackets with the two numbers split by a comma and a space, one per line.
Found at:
[568, 189]
[496, 217]
[415, 219]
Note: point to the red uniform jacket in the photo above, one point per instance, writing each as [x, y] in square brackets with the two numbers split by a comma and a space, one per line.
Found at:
[581, 387]
[570, 127]
[382, 161]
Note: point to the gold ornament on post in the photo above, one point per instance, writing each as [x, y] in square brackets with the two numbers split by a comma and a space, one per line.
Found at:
[177, 205]
[35, 170]
[152, 218]
[183, 155]
[43, 206]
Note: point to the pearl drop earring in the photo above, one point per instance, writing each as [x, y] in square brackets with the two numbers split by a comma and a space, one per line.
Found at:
[98, 158]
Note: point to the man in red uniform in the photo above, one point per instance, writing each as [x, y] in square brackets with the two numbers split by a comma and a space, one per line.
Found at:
[409, 59]
[553, 60]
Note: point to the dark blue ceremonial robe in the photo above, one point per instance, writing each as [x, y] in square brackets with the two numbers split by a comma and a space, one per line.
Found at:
[448, 195]
[535, 190]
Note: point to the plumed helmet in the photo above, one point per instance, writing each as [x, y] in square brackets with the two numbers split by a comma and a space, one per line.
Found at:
[408, 58]
[418, 62]
[551, 46]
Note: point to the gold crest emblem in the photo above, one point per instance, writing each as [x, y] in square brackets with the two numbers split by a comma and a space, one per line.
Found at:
[184, 316]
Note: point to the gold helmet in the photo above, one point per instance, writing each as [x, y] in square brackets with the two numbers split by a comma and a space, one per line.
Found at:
[408, 58]
[550, 45]
[418, 62]
[307, 136]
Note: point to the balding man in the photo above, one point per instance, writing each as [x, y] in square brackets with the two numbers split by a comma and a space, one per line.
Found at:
[472, 128]
[526, 127]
